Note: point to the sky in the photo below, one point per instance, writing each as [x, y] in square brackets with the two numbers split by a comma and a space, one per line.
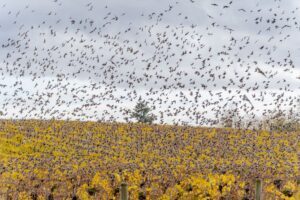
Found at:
[190, 60]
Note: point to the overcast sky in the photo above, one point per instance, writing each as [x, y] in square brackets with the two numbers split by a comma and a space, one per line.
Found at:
[92, 60]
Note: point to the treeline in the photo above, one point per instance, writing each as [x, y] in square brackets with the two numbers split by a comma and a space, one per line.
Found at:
[277, 120]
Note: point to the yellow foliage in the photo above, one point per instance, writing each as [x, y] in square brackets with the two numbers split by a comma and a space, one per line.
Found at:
[82, 192]
[24, 196]
[158, 161]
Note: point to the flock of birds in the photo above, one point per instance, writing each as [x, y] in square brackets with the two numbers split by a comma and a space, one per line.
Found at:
[191, 61]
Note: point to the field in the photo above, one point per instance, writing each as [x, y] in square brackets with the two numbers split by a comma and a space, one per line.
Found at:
[89, 160]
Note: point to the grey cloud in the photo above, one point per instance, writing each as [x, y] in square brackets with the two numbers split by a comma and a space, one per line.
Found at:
[207, 33]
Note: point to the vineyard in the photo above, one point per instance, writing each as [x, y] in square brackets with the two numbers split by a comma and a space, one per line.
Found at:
[89, 160]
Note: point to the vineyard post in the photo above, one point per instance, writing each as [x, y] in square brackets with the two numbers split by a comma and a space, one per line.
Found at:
[258, 189]
[124, 191]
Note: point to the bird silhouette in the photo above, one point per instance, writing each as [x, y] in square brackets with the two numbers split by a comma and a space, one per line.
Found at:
[92, 66]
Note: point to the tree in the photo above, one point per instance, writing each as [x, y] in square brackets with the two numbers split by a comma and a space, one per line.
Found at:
[141, 112]
[227, 118]
[281, 121]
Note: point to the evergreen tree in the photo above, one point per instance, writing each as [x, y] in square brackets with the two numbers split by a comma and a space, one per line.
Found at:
[141, 112]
